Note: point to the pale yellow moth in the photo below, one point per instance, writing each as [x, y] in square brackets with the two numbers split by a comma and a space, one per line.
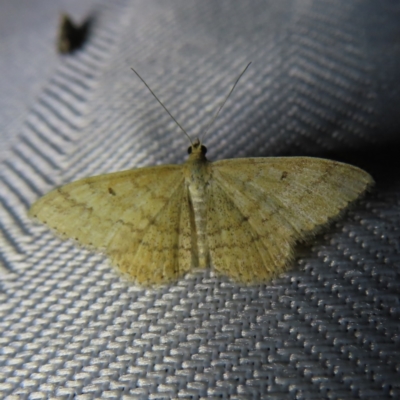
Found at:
[242, 217]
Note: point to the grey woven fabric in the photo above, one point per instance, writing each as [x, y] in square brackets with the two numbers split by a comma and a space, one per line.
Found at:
[325, 81]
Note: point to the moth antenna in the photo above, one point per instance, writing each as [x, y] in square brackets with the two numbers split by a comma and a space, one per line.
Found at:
[165, 108]
[225, 100]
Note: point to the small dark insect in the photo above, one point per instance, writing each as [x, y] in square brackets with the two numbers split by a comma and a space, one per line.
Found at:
[70, 35]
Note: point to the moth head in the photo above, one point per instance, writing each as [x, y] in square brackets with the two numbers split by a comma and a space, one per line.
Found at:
[197, 150]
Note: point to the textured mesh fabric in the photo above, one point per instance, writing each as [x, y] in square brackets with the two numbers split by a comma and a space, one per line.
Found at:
[324, 82]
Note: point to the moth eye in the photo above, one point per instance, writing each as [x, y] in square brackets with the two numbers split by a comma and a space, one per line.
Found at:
[203, 149]
[190, 150]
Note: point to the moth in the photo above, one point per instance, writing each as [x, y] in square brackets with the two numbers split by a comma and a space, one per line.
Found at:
[242, 216]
